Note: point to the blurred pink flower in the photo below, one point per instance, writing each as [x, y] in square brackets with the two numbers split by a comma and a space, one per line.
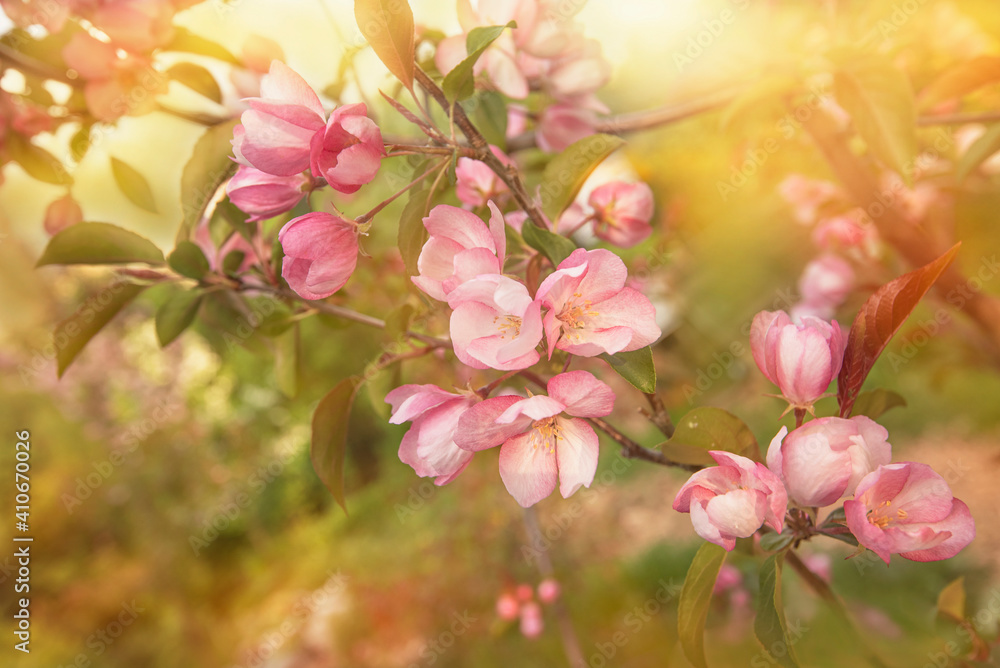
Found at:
[729, 577]
[321, 252]
[460, 247]
[495, 323]
[264, 195]
[429, 445]
[622, 212]
[476, 182]
[532, 624]
[113, 85]
[62, 213]
[824, 285]
[561, 125]
[548, 590]
[908, 509]
[508, 607]
[844, 232]
[540, 447]
[590, 309]
[823, 461]
[277, 131]
[348, 152]
[732, 500]
[807, 196]
[820, 564]
[800, 359]
[135, 25]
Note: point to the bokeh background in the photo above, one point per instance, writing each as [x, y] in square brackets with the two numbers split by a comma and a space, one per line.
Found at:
[137, 451]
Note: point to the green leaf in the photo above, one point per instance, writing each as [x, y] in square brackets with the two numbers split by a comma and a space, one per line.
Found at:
[636, 366]
[287, 349]
[873, 403]
[398, 322]
[772, 542]
[133, 185]
[769, 626]
[186, 41]
[412, 234]
[198, 79]
[176, 314]
[329, 436]
[388, 27]
[460, 82]
[879, 319]
[696, 595]
[980, 150]
[189, 260]
[206, 170]
[79, 143]
[961, 79]
[36, 161]
[489, 113]
[566, 173]
[951, 600]
[99, 243]
[553, 246]
[708, 428]
[73, 334]
[233, 261]
[879, 99]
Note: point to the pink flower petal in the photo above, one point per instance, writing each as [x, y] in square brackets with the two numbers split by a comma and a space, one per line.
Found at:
[528, 471]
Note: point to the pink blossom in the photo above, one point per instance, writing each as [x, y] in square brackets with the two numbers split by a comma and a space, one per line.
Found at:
[429, 446]
[807, 196]
[823, 461]
[110, 80]
[348, 152]
[590, 309]
[476, 182]
[578, 72]
[257, 55]
[540, 446]
[62, 213]
[321, 251]
[460, 247]
[908, 509]
[622, 212]
[495, 323]
[532, 624]
[801, 359]
[729, 577]
[845, 232]
[732, 500]
[548, 590]
[278, 129]
[136, 25]
[508, 607]
[827, 280]
[264, 195]
[524, 593]
[562, 125]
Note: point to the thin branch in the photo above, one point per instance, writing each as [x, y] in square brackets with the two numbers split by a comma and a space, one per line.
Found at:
[26, 64]
[571, 642]
[659, 416]
[381, 205]
[959, 119]
[632, 450]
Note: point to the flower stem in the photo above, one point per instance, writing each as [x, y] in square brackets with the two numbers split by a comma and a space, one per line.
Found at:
[371, 214]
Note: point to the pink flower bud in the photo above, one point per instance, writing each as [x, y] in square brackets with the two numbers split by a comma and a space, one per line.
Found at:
[822, 461]
[843, 232]
[732, 500]
[908, 509]
[429, 446]
[507, 607]
[476, 182]
[264, 195]
[826, 280]
[802, 359]
[561, 125]
[524, 593]
[62, 213]
[548, 590]
[729, 577]
[622, 212]
[321, 251]
[277, 131]
[348, 151]
[532, 624]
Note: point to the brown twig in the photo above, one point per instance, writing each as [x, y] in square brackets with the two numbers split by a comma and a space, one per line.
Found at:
[632, 450]
[659, 416]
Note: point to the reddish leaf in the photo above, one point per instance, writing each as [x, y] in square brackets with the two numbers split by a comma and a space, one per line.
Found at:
[878, 320]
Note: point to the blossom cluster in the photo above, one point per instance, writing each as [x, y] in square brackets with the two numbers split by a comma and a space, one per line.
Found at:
[900, 508]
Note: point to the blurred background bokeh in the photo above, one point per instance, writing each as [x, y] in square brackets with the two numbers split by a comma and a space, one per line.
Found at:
[173, 489]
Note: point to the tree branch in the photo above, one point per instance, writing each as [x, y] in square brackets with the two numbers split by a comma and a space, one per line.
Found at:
[632, 450]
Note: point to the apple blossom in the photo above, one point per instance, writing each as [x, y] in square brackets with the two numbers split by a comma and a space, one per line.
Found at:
[590, 309]
[476, 183]
[807, 196]
[548, 590]
[622, 212]
[460, 246]
[277, 131]
[110, 79]
[908, 509]
[544, 441]
[348, 151]
[824, 285]
[429, 445]
[846, 232]
[264, 195]
[508, 607]
[732, 500]
[531, 620]
[495, 323]
[561, 125]
[801, 359]
[823, 461]
[62, 213]
[321, 251]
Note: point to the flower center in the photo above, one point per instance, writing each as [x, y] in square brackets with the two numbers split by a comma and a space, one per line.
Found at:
[882, 516]
[544, 433]
[574, 316]
[508, 324]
